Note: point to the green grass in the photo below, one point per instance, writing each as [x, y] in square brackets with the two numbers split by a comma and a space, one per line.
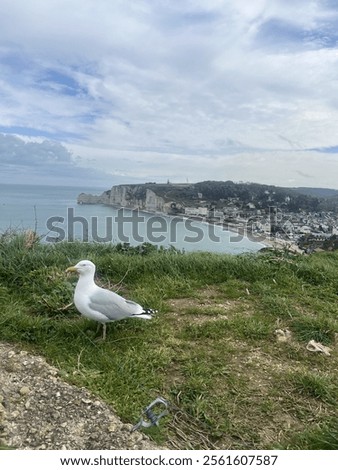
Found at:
[320, 437]
[315, 385]
[211, 350]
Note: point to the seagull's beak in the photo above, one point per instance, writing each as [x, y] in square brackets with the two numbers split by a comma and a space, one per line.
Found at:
[71, 269]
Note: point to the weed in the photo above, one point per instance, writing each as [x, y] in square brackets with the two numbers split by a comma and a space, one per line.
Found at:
[314, 385]
[319, 328]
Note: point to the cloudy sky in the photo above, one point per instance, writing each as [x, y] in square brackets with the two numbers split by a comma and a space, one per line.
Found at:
[102, 92]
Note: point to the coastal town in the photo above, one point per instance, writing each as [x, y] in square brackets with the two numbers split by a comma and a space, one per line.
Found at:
[262, 213]
[309, 231]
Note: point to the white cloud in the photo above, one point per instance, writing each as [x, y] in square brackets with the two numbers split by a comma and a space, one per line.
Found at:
[39, 161]
[191, 89]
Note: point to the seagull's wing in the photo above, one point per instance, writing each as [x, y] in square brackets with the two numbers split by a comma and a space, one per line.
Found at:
[112, 305]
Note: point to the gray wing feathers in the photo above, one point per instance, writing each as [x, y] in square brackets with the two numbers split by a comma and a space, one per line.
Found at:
[112, 305]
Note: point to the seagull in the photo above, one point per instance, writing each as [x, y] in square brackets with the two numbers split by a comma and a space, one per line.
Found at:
[102, 305]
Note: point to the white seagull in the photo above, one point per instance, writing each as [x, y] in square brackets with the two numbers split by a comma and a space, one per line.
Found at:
[100, 304]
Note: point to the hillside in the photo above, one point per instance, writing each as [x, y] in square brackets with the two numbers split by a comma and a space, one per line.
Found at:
[215, 194]
[318, 192]
[228, 348]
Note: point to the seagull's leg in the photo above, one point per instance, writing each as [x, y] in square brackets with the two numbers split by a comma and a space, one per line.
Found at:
[104, 328]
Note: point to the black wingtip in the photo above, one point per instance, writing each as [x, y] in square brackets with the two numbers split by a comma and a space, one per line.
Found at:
[150, 311]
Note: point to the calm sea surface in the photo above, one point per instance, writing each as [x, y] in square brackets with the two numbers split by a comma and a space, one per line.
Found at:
[54, 213]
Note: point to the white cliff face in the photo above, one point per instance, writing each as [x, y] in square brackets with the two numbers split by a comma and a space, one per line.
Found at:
[118, 196]
[84, 198]
[131, 197]
[153, 203]
[136, 197]
[127, 196]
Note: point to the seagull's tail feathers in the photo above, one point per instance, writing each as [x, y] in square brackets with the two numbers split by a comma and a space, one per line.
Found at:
[146, 314]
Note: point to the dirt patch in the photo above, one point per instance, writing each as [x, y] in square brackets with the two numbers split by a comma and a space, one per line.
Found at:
[183, 304]
[205, 307]
[38, 410]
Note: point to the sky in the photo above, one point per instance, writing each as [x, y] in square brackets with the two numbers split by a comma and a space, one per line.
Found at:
[99, 92]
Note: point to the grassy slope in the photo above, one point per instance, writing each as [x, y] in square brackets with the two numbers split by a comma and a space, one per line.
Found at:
[211, 351]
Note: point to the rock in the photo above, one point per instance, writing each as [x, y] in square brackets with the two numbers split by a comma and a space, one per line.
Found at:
[55, 414]
[84, 198]
[86, 401]
[112, 427]
[283, 336]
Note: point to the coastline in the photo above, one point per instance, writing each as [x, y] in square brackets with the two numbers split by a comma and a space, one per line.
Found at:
[276, 243]
[281, 244]
[240, 229]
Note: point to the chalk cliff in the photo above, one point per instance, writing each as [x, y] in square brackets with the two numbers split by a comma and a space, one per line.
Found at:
[84, 198]
[129, 196]
[136, 197]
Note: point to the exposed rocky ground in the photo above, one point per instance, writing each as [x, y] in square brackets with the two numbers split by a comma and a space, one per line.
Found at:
[38, 410]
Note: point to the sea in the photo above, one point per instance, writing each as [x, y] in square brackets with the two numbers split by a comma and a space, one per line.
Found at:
[53, 212]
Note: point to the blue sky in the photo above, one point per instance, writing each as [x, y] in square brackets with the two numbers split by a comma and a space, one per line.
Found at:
[101, 92]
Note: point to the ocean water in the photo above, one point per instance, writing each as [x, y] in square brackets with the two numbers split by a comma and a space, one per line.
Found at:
[53, 212]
